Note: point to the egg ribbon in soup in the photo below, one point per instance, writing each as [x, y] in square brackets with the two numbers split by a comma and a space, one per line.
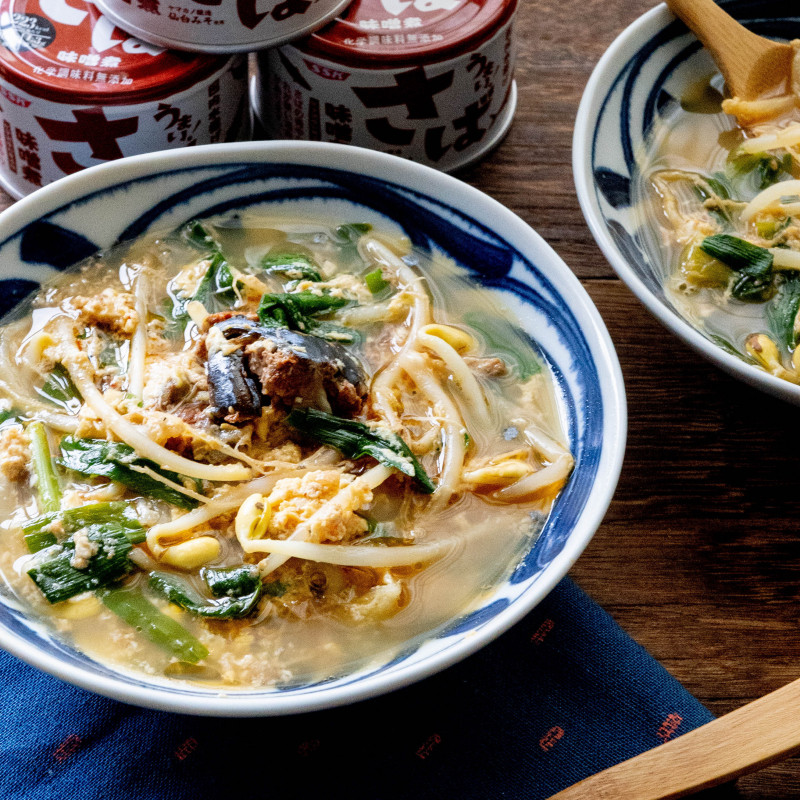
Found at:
[259, 453]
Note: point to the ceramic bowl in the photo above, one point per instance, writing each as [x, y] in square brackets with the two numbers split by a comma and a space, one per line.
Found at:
[651, 64]
[95, 209]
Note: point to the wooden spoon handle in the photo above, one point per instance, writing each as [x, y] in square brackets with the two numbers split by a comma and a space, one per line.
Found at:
[764, 731]
[750, 64]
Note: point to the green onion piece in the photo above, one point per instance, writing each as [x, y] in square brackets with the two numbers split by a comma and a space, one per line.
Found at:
[37, 537]
[59, 389]
[237, 592]
[502, 337]
[236, 582]
[385, 533]
[117, 511]
[347, 237]
[296, 266]
[716, 187]
[753, 263]
[738, 254]
[355, 439]
[372, 523]
[333, 333]
[113, 460]
[718, 183]
[351, 232]
[195, 233]
[40, 540]
[292, 310]
[275, 588]
[375, 281]
[763, 169]
[296, 311]
[782, 312]
[755, 289]
[216, 289]
[46, 478]
[730, 348]
[58, 580]
[133, 607]
[309, 303]
[173, 311]
[110, 354]
[769, 229]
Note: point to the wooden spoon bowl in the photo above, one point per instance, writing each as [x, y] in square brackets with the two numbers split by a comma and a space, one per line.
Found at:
[752, 66]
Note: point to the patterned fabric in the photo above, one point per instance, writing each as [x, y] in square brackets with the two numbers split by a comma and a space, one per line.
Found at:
[562, 695]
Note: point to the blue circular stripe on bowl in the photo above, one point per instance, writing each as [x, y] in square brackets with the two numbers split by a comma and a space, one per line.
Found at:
[477, 618]
[614, 187]
[395, 202]
[652, 105]
[432, 225]
[13, 291]
[633, 68]
[45, 243]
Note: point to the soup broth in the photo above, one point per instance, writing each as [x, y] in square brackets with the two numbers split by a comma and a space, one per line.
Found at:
[255, 452]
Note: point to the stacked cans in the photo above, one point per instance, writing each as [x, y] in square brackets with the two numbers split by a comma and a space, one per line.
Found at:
[220, 26]
[76, 91]
[430, 80]
[86, 81]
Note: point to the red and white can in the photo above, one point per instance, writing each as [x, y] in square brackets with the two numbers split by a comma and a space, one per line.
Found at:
[76, 91]
[220, 26]
[429, 80]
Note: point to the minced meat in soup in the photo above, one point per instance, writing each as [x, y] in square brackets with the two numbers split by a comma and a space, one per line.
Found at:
[255, 453]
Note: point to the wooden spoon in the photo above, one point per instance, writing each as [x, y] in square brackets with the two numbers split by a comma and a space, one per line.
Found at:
[753, 736]
[751, 65]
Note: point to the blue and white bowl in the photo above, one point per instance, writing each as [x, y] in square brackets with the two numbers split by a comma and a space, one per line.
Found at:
[95, 209]
[647, 68]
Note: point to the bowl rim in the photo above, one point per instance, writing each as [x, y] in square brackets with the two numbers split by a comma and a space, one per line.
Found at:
[439, 186]
[600, 83]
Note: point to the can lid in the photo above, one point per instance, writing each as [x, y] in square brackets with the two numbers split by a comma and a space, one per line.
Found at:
[71, 53]
[395, 32]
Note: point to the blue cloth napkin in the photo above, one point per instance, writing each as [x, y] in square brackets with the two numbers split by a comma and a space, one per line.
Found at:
[562, 695]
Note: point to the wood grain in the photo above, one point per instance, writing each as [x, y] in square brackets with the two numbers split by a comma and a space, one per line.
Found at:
[698, 557]
[750, 64]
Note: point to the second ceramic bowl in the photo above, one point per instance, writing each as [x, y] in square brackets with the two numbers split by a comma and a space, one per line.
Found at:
[652, 64]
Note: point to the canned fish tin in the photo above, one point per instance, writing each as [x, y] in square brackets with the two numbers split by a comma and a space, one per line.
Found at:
[76, 91]
[220, 26]
[429, 80]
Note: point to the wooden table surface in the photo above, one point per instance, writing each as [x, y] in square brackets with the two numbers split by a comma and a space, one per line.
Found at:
[697, 557]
